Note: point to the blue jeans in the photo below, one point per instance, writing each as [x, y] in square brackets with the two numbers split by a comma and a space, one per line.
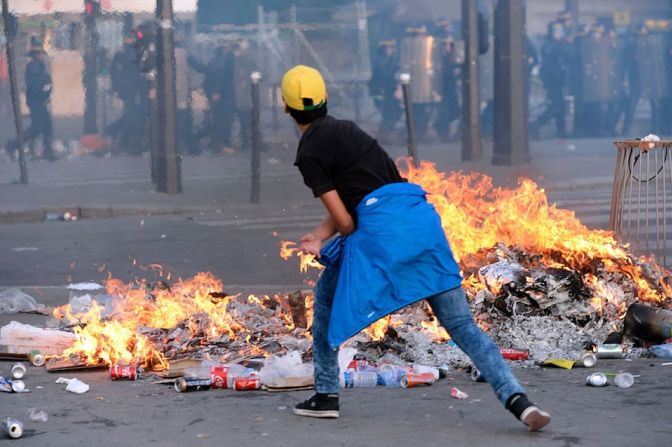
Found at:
[452, 310]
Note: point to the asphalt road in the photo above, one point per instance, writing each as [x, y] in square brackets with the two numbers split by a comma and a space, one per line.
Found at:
[142, 413]
[240, 250]
[240, 244]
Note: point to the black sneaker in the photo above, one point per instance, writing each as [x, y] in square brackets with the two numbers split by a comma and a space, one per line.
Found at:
[529, 414]
[318, 406]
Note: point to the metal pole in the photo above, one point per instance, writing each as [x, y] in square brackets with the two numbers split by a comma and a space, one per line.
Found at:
[511, 137]
[154, 149]
[170, 176]
[256, 138]
[471, 132]
[10, 32]
[405, 79]
[91, 12]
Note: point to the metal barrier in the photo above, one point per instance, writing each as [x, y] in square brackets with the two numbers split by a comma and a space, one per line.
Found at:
[642, 189]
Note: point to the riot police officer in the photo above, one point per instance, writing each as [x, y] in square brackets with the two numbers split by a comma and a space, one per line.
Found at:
[449, 107]
[553, 72]
[38, 93]
[383, 85]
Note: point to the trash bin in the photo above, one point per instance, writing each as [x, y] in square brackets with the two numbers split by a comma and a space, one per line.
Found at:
[641, 195]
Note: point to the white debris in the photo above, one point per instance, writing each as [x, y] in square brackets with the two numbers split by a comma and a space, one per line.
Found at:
[14, 300]
[74, 385]
[85, 286]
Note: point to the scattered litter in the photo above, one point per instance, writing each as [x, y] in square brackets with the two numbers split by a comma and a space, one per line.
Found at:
[24, 338]
[277, 369]
[648, 323]
[282, 407]
[85, 286]
[624, 380]
[662, 351]
[14, 300]
[37, 415]
[74, 385]
[19, 371]
[560, 363]
[12, 428]
[22, 249]
[458, 394]
[12, 386]
[410, 380]
[183, 384]
[597, 380]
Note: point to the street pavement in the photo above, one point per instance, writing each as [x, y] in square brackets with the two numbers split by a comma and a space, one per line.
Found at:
[213, 227]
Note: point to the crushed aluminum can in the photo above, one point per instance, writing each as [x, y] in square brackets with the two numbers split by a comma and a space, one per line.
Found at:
[608, 351]
[219, 376]
[36, 358]
[183, 385]
[12, 428]
[587, 360]
[18, 386]
[411, 380]
[597, 380]
[118, 372]
[19, 371]
[246, 383]
[458, 394]
[12, 386]
[514, 354]
[476, 375]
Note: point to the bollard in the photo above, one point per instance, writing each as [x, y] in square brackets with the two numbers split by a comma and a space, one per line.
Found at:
[256, 138]
[405, 79]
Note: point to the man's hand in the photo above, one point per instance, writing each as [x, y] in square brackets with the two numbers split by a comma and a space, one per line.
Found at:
[311, 244]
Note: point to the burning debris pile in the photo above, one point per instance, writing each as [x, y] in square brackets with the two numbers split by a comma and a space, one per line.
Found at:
[536, 277]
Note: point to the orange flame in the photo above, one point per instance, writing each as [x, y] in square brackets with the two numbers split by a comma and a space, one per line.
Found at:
[289, 249]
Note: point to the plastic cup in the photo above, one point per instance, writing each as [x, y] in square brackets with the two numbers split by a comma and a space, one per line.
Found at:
[624, 380]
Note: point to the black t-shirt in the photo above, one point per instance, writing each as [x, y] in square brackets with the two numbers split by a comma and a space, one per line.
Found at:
[337, 154]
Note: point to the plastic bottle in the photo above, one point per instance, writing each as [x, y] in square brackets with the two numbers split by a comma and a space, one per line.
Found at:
[624, 380]
[390, 376]
[359, 379]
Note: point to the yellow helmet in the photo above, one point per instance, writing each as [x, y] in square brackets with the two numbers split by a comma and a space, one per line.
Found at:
[303, 88]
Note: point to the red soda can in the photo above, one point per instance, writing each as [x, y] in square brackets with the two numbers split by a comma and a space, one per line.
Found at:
[118, 372]
[218, 375]
[246, 383]
[515, 354]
